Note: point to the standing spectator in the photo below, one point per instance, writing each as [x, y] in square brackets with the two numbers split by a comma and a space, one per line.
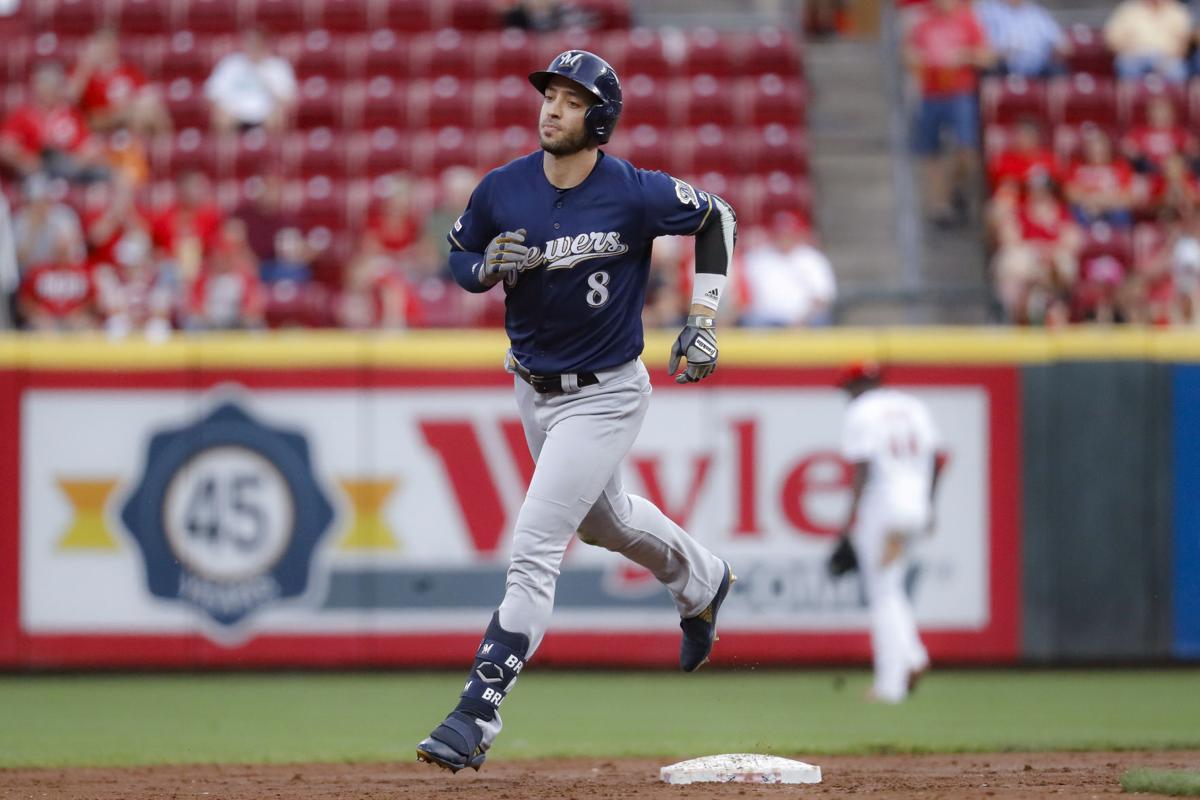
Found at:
[1150, 37]
[1099, 188]
[789, 281]
[48, 134]
[1026, 39]
[251, 88]
[186, 229]
[228, 294]
[945, 48]
[44, 230]
[1147, 146]
[113, 94]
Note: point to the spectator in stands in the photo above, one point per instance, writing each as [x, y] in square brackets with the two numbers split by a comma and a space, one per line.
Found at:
[454, 192]
[126, 157]
[1099, 187]
[46, 231]
[264, 215]
[251, 88]
[789, 281]
[1172, 191]
[1025, 156]
[1181, 266]
[187, 228]
[540, 16]
[664, 306]
[376, 294]
[945, 48]
[1147, 146]
[1150, 37]
[48, 134]
[228, 294]
[1036, 259]
[291, 260]
[394, 228]
[114, 94]
[1025, 37]
[136, 292]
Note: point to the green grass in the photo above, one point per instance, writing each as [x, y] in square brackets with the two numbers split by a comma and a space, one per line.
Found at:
[1178, 783]
[144, 719]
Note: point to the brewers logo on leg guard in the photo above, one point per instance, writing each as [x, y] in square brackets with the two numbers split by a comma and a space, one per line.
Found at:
[463, 738]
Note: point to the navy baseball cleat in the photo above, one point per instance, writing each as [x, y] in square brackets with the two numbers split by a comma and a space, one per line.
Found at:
[700, 631]
[455, 744]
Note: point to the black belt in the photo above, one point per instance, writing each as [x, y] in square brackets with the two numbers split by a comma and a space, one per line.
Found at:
[552, 384]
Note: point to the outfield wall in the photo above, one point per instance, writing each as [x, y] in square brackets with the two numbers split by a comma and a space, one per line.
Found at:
[343, 500]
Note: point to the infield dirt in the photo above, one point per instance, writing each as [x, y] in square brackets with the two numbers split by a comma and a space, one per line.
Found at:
[1001, 775]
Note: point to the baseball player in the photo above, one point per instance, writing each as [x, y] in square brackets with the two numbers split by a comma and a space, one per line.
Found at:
[568, 232]
[890, 440]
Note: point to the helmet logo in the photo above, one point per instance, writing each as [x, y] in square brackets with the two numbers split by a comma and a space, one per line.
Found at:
[570, 59]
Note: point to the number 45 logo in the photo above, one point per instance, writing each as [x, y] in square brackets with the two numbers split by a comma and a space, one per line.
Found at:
[228, 515]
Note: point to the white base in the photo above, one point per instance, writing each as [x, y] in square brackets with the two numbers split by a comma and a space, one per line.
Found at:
[740, 768]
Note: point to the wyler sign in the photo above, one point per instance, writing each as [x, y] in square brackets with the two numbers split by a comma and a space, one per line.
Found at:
[342, 516]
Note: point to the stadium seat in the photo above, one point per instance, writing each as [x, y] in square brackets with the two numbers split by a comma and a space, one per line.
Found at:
[320, 151]
[447, 53]
[1101, 239]
[710, 53]
[145, 52]
[510, 52]
[473, 15]
[549, 45]
[1089, 53]
[647, 147]
[145, 16]
[347, 16]
[24, 54]
[645, 101]
[408, 16]
[185, 100]
[379, 102]
[320, 104]
[75, 17]
[1083, 98]
[770, 50]
[704, 99]
[1147, 243]
[435, 150]
[644, 53]
[510, 101]
[185, 55]
[321, 53]
[172, 154]
[775, 148]
[782, 192]
[318, 202]
[372, 154]
[387, 55]
[251, 153]
[440, 103]
[212, 16]
[609, 15]
[770, 99]
[499, 146]
[1011, 98]
[710, 148]
[1132, 97]
[281, 16]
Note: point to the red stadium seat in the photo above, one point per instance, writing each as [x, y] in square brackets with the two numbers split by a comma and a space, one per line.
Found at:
[437, 150]
[1083, 98]
[705, 100]
[251, 154]
[1089, 53]
[1067, 141]
[710, 53]
[549, 45]
[24, 54]
[387, 55]
[281, 16]
[498, 147]
[648, 148]
[320, 105]
[145, 16]
[446, 53]
[380, 102]
[775, 148]
[645, 101]
[145, 52]
[441, 103]
[710, 149]
[76, 17]
[772, 99]
[212, 16]
[510, 101]
[320, 151]
[644, 54]
[1133, 97]
[293, 305]
[473, 15]
[770, 50]
[408, 16]
[186, 103]
[1101, 239]
[348, 16]
[1008, 99]
[609, 15]
[1147, 243]
[319, 52]
[510, 52]
[380, 152]
[782, 192]
[318, 202]
[185, 55]
[186, 151]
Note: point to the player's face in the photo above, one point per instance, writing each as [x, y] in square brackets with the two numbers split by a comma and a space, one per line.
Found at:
[561, 131]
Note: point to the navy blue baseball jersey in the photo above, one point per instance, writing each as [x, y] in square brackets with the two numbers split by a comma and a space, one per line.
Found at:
[576, 304]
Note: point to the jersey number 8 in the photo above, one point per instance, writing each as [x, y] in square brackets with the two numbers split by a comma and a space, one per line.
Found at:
[598, 296]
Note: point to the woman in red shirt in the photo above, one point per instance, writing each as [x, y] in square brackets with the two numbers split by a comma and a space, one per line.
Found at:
[1099, 187]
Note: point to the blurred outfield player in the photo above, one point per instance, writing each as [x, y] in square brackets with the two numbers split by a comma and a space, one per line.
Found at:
[568, 230]
[890, 440]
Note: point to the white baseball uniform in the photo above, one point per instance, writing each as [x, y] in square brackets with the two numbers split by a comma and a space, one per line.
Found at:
[894, 434]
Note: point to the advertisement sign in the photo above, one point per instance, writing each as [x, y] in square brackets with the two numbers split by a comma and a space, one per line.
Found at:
[262, 517]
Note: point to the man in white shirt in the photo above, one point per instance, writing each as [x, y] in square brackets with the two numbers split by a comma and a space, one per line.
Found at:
[789, 282]
[890, 440]
[251, 88]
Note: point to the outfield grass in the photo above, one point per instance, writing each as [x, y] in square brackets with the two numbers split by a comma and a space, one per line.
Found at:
[1176, 783]
[145, 719]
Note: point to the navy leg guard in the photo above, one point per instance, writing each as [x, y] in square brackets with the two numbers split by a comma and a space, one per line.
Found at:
[459, 741]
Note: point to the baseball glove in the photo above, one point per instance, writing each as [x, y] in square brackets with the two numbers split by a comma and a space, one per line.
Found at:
[843, 559]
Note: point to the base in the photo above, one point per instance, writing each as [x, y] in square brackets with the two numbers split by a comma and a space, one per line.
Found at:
[740, 768]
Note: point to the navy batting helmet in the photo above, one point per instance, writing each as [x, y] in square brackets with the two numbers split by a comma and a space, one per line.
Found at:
[595, 75]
